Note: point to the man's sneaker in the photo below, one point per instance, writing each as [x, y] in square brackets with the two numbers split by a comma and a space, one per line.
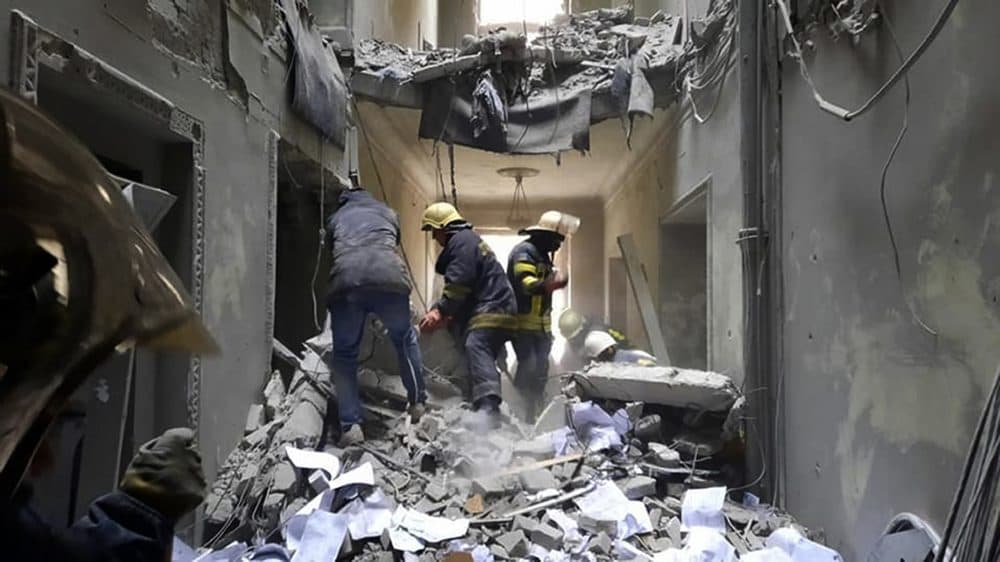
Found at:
[352, 436]
[417, 411]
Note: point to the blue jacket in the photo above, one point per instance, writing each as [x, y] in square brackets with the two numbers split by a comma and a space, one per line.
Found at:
[117, 528]
[363, 237]
[476, 291]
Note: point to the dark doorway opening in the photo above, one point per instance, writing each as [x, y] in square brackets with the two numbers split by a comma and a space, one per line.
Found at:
[684, 281]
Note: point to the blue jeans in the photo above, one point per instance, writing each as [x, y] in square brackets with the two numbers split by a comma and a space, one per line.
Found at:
[348, 313]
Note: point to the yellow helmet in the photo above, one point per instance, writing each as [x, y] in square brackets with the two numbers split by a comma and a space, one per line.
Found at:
[571, 323]
[563, 224]
[439, 215]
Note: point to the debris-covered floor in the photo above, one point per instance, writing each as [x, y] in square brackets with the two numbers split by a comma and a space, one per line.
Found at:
[600, 476]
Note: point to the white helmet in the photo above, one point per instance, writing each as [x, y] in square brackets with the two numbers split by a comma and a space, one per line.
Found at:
[598, 342]
[563, 224]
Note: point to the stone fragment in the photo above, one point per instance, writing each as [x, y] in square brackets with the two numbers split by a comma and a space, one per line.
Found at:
[435, 491]
[655, 515]
[668, 386]
[547, 537]
[553, 417]
[489, 486]
[601, 544]
[510, 540]
[674, 530]
[303, 427]
[595, 526]
[284, 478]
[662, 455]
[274, 394]
[537, 480]
[661, 544]
[319, 482]
[522, 523]
[474, 505]
[255, 418]
[538, 448]
[638, 487]
[499, 552]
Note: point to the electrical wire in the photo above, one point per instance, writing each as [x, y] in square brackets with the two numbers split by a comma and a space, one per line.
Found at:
[900, 73]
[882, 182]
[321, 244]
[385, 197]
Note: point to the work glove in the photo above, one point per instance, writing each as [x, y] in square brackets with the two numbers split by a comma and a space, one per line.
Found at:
[557, 281]
[432, 321]
[166, 474]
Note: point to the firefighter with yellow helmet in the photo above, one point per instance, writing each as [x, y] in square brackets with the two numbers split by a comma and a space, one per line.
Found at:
[477, 302]
[574, 328]
[534, 278]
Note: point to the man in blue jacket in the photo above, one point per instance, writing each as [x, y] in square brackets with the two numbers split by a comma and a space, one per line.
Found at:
[477, 301]
[368, 276]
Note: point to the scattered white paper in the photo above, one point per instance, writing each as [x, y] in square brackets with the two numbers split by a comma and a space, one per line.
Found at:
[621, 421]
[706, 545]
[608, 502]
[479, 552]
[296, 524]
[364, 474]
[428, 528]
[323, 537]
[562, 440]
[671, 555]
[314, 460]
[370, 516]
[410, 557]
[767, 555]
[703, 508]
[404, 541]
[588, 414]
[182, 552]
[601, 438]
[801, 549]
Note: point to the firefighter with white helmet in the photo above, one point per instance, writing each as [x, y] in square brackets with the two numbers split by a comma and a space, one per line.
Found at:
[534, 278]
[603, 347]
[574, 328]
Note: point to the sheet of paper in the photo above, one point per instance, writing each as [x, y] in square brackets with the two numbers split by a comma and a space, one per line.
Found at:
[429, 528]
[601, 438]
[182, 552]
[625, 551]
[671, 555]
[588, 414]
[323, 537]
[314, 460]
[562, 440]
[706, 545]
[801, 549]
[401, 539]
[370, 516]
[563, 521]
[703, 508]
[621, 421]
[608, 502]
[766, 555]
[364, 474]
[296, 524]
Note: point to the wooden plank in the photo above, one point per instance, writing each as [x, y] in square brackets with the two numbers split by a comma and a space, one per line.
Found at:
[540, 464]
[640, 289]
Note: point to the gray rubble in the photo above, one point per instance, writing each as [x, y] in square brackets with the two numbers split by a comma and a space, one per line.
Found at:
[670, 386]
[517, 492]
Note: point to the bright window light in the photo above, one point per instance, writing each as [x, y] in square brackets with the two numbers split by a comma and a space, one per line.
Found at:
[492, 12]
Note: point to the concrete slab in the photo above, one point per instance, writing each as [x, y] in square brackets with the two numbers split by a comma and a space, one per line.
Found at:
[669, 386]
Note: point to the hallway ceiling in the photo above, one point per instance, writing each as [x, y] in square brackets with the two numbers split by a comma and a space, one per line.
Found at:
[596, 174]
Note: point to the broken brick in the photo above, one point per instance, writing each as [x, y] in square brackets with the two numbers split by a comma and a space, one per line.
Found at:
[537, 480]
[638, 487]
[547, 537]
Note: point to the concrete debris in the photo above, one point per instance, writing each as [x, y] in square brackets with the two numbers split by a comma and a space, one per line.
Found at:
[668, 386]
[447, 489]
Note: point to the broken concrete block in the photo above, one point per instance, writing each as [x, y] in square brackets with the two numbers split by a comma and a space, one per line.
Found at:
[638, 487]
[655, 515]
[661, 544]
[274, 394]
[255, 418]
[499, 552]
[303, 427]
[649, 428]
[661, 455]
[547, 537]
[601, 544]
[669, 386]
[474, 505]
[537, 480]
[489, 486]
[283, 478]
[593, 525]
[538, 448]
[319, 482]
[509, 541]
[435, 491]
[522, 523]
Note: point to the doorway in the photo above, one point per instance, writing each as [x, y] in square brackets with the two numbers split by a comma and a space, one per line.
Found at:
[684, 279]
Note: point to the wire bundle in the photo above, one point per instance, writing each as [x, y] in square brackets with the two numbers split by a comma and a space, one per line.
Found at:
[975, 511]
[709, 68]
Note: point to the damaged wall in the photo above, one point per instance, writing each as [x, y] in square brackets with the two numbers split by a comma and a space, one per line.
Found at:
[879, 413]
[177, 49]
[403, 22]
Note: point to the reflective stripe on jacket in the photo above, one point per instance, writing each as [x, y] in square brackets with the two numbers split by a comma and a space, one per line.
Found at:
[476, 291]
[528, 269]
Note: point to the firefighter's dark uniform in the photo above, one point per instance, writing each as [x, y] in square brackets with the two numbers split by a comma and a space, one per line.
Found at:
[528, 269]
[478, 298]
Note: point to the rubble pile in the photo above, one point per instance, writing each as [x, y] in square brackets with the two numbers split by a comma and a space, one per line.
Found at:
[600, 476]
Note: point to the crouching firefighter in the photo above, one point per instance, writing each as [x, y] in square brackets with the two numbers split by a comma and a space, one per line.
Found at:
[534, 279]
[602, 347]
[80, 277]
[477, 302]
[574, 327]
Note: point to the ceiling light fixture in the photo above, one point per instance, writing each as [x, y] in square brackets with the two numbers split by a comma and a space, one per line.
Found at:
[520, 215]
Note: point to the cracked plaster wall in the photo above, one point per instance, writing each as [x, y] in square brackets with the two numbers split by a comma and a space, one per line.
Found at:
[176, 49]
[878, 412]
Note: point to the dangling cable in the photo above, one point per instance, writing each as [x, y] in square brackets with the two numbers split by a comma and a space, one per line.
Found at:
[454, 190]
[322, 236]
